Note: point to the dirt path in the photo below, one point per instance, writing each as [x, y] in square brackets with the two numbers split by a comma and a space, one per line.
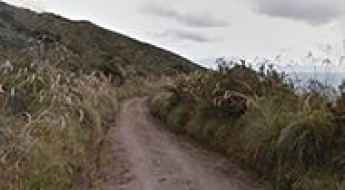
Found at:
[147, 157]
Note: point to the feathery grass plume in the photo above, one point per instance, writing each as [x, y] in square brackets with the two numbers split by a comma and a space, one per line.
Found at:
[292, 138]
[53, 127]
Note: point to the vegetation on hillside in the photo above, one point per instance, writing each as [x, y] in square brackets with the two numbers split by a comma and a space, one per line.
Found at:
[52, 127]
[60, 84]
[89, 46]
[292, 137]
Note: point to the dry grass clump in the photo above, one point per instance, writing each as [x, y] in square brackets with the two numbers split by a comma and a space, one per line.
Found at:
[53, 123]
[293, 139]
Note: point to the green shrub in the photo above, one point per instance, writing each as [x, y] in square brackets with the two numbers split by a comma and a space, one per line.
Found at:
[293, 140]
[178, 117]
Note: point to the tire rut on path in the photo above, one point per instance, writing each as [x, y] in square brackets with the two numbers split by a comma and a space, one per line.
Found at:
[147, 157]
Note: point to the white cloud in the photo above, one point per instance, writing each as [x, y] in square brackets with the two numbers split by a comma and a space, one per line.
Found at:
[315, 12]
[250, 35]
[200, 20]
[184, 35]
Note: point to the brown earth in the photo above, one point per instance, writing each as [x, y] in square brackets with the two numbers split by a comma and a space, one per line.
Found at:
[147, 157]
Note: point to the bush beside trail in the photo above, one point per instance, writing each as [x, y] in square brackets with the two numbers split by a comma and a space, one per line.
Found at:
[53, 125]
[294, 140]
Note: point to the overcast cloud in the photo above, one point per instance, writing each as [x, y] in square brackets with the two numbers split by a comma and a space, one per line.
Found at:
[202, 20]
[312, 11]
[185, 35]
[200, 29]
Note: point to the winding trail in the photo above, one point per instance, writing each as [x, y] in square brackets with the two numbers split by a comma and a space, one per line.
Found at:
[147, 157]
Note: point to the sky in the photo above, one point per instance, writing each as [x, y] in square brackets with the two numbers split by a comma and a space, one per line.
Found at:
[202, 30]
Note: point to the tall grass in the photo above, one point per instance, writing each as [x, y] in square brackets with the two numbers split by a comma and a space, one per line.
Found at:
[293, 139]
[53, 124]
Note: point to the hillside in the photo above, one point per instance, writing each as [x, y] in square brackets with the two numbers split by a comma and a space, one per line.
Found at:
[81, 45]
[56, 109]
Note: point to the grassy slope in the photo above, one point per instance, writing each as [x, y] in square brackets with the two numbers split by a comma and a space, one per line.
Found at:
[60, 92]
[294, 141]
[89, 46]
[53, 123]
